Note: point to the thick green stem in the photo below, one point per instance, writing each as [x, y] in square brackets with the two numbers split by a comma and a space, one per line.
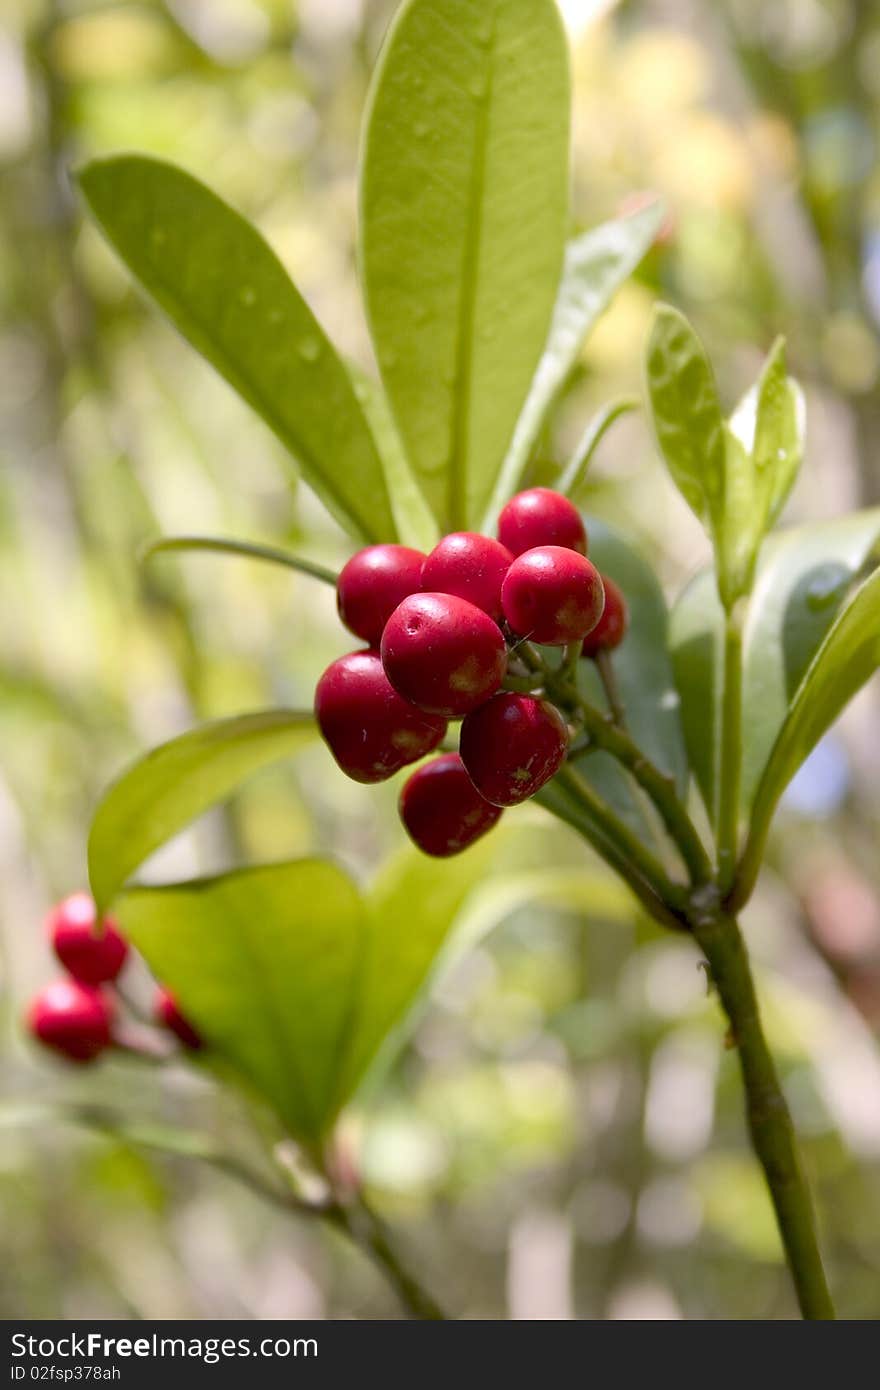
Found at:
[769, 1120]
[730, 774]
[608, 676]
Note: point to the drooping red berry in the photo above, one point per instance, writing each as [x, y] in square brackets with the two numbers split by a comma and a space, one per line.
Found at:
[371, 731]
[470, 566]
[169, 1016]
[512, 746]
[91, 954]
[72, 1018]
[443, 653]
[373, 583]
[611, 628]
[552, 595]
[442, 810]
[541, 516]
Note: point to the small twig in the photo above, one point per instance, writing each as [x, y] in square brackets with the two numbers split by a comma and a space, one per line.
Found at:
[608, 676]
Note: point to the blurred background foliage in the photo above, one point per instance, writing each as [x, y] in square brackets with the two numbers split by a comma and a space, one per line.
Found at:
[564, 1135]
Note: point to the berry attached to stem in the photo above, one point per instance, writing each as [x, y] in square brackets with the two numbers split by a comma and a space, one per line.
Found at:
[373, 583]
[541, 517]
[512, 746]
[443, 654]
[470, 566]
[169, 1016]
[552, 595]
[442, 810]
[611, 628]
[371, 731]
[72, 1018]
[92, 954]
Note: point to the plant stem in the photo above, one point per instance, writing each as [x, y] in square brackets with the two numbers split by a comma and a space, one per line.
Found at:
[250, 550]
[620, 848]
[769, 1121]
[608, 677]
[730, 774]
[366, 1229]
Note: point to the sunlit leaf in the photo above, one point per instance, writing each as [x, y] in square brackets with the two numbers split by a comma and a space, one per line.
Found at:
[464, 202]
[227, 292]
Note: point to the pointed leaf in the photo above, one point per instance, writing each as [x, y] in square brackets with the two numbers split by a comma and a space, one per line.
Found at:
[596, 265]
[778, 448]
[464, 201]
[227, 292]
[176, 782]
[265, 964]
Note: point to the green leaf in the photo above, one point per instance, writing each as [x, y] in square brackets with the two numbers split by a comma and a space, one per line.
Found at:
[230, 296]
[803, 578]
[596, 265]
[686, 411]
[464, 202]
[176, 782]
[846, 660]
[572, 478]
[416, 525]
[644, 675]
[265, 963]
[770, 424]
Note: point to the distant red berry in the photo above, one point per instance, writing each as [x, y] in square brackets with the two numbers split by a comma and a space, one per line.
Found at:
[371, 731]
[611, 628]
[552, 595]
[442, 810]
[512, 746]
[541, 516]
[373, 583]
[91, 954]
[169, 1016]
[470, 566]
[443, 653]
[72, 1018]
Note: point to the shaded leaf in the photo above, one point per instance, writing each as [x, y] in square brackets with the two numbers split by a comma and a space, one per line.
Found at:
[176, 782]
[464, 201]
[227, 292]
[413, 517]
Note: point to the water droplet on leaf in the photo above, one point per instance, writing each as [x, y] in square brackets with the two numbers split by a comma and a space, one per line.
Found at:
[310, 349]
[248, 296]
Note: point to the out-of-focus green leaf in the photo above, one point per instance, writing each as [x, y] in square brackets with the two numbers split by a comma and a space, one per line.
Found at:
[464, 202]
[265, 963]
[596, 265]
[778, 448]
[571, 480]
[847, 658]
[803, 579]
[176, 782]
[248, 550]
[230, 296]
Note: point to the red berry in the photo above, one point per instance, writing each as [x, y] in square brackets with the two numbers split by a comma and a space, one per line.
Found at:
[541, 517]
[72, 1018]
[443, 653]
[169, 1016]
[552, 595]
[470, 566]
[373, 583]
[512, 746]
[371, 731]
[611, 628]
[90, 954]
[442, 810]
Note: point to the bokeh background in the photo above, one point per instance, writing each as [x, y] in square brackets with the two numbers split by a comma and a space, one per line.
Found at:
[563, 1136]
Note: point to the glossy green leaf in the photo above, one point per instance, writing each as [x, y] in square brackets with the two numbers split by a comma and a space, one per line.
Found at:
[770, 422]
[845, 661]
[464, 209]
[687, 414]
[227, 292]
[415, 522]
[644, 674]
[803, 578]
[596, 265]
[175, 783]
[265, 964]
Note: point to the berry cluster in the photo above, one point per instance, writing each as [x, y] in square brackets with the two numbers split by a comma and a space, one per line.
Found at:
[444, 635]
[77, 1014]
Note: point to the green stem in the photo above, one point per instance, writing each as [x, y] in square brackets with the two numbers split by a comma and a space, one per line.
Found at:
[366, 1229]
[575, 471]
[608, 676]
[621, 849]
[250, 550]
[769, 1121]
[730, 774]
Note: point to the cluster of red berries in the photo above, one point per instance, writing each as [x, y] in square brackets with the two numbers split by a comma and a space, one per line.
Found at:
[76, 1014]
[442, 632]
